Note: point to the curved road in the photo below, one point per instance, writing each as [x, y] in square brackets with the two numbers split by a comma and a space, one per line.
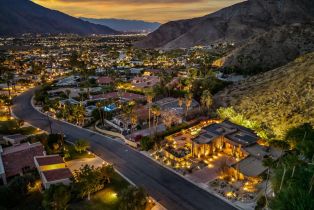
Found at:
[171, 190]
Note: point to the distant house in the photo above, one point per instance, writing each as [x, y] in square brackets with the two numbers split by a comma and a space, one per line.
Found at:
[173, 104]
[19, 159]
[104, 81]
[145, 81]
[52, 170]
[124, 96]
[69, 101]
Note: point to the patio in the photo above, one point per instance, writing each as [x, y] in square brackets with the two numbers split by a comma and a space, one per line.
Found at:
[212, 169]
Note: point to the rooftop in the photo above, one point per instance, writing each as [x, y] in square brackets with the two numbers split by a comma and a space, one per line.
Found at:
[170, 103]
[204, 138]
[16, 137]
[117, 95]
[21, 148]
[57, 174]
[49, 160]
[235, 133]
[250, 166]
[16, 158]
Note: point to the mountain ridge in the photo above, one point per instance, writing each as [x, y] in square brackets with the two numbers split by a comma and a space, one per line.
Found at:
[235, 23]
[124, 25]
[24, 16]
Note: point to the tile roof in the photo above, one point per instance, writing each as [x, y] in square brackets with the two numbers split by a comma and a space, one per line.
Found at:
[57, 174]
[16, 158]
[49, 160]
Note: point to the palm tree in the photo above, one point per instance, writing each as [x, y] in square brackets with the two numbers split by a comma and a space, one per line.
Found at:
[133, 120]
[68, 92]
[149, 97]
[156, 113]
[101, 116]
[188, 103]
[180, 102]
[8, 76]
[79, 114]
[206, 99]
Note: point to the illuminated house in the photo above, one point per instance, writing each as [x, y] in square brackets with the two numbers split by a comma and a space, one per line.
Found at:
[52, 170]
[236, 141]
[224, 137]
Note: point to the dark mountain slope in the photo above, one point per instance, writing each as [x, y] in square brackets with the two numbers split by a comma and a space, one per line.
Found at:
[279, 99]
[234, 24]
[272, 49]
[23, 16]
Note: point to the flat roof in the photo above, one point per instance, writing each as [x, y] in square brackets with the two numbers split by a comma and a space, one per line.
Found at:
[16, 137]
[171, 103]
[49, 160]
[250, 166]
[217, 129]
[21, 147]
[204, 138]
[57, 174]
[243, 138]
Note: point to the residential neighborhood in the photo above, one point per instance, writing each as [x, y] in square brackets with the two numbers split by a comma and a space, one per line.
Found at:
[95, 123]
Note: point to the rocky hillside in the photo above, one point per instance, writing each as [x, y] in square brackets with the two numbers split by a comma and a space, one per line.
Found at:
[272, 49]
[233, 24]
[279, 99]
[24, 16]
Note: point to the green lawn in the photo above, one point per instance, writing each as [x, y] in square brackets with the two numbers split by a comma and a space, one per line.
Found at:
[106, 199]
[76, 155]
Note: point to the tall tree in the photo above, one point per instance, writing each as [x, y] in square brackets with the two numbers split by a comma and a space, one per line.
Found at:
[81, 145]
[133, 198]
[149, 93]
[87, 181]
[206, 99]
[188, 103]
[156, 113]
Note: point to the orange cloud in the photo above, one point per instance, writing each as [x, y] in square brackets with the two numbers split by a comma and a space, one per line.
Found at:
[149, 10]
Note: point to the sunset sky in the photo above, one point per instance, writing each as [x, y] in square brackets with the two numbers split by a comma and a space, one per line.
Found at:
[149, 10]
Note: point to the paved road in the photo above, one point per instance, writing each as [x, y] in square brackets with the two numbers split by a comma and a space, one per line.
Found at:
[171, 190]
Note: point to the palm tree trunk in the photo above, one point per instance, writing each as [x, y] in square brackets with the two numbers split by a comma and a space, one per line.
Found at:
[149, 121]
[311, 184]
[283, 177]
[156, 125]
[267, 179]
[293, 170]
